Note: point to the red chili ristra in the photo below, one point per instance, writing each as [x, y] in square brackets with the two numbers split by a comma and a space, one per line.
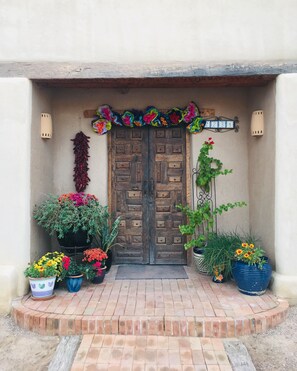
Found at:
[81, 153]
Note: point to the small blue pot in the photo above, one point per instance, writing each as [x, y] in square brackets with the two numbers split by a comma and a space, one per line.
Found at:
[74, 283]
[250, 279]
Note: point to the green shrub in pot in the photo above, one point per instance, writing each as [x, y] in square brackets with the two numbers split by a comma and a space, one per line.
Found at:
[71, 212]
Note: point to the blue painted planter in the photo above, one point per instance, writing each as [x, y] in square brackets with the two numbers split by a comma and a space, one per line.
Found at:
[250, 279]
[74, 283]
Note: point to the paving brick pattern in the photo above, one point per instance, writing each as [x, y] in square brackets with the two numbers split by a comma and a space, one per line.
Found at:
[150, 353]
[185, 307]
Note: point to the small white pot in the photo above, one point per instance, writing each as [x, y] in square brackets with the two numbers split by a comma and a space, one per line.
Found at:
[42, 287]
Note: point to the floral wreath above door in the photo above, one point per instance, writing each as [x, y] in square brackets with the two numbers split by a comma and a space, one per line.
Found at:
[106, 117]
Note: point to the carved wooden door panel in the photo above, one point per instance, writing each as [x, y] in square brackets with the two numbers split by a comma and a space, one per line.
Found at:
[147, 181]
[129, 174]
[168, 177]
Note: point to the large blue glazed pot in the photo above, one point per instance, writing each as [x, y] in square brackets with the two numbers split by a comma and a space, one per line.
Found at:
[73, 283]
[250, 279]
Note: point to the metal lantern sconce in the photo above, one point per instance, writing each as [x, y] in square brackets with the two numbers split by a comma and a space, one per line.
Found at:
[257, 123]
[221, 124]
[46, 126]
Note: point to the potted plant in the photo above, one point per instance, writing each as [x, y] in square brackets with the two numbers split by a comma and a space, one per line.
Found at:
[56, 257]
[218, 255]
[201, 219]
[74, 217]
[42, 277]
[94, 264]
[250, 269]
[107, 233]
[72, 272]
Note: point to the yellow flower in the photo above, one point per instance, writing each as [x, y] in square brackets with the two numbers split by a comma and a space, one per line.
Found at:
[49, 263]
[252, 245]
[246, 255]
[238, 251]
[41, 269]
[244, 244]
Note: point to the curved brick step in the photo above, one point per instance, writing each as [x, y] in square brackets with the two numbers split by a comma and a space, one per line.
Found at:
[61, 324]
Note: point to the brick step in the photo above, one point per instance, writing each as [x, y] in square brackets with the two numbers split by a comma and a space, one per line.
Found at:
[46, 323]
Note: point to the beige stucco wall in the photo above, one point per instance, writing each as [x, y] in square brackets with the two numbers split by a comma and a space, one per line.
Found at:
[15, 144]
[261, 152]
[134, 31]
[285, 278]
[41, 168]
[231, 147]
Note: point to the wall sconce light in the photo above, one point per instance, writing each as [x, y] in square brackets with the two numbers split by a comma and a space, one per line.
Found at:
[46, 126]
[257, 123]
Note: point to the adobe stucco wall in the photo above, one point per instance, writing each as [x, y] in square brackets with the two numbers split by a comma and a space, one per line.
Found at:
[133, 31]
[15, 148]
[261, 152]
[231, 147]
[285, 278]
[42, 151]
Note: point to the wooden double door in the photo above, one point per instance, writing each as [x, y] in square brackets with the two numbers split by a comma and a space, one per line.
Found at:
[147, 181]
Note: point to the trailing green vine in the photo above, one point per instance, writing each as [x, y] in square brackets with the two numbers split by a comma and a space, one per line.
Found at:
[203, 217]
[201, 220]
[209, 167]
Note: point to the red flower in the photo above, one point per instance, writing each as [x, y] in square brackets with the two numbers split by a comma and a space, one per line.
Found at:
[97, 265]
[66, 262]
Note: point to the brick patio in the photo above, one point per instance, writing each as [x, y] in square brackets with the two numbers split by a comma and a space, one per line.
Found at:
[194, 307]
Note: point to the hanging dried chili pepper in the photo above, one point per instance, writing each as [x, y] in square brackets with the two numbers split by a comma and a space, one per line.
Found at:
[81, 153]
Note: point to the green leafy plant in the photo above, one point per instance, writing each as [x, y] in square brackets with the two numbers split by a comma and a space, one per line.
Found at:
[209, 167]
[107, 230]
[201, 220]
[69, 212]
[219, 252]
[70, 267]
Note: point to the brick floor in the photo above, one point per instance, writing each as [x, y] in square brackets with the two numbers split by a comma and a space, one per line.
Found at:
[130, 352]
[168, 307]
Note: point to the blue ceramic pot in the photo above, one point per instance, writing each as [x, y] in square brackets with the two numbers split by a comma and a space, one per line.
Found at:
[250, 279]
[74, 283]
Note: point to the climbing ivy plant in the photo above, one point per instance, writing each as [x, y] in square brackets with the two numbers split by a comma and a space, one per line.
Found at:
[201, 220]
